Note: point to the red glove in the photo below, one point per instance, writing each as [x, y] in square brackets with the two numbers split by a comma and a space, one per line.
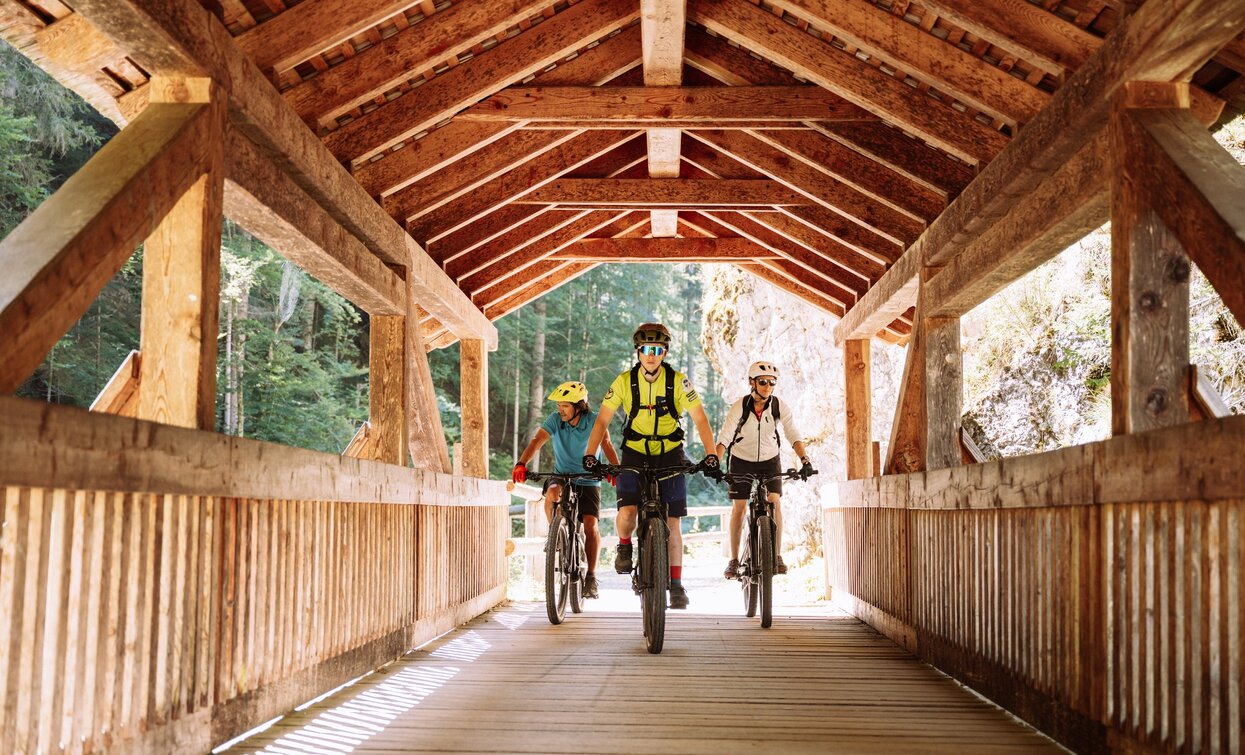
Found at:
[519, 473]
[612, 479]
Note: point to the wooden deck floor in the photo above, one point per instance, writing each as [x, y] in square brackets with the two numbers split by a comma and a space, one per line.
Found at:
[511, 682]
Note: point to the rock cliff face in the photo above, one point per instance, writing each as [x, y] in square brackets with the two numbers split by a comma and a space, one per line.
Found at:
[746, 319]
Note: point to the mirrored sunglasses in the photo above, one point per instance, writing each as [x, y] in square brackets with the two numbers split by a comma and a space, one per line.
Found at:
[651, 350]
[767, 381]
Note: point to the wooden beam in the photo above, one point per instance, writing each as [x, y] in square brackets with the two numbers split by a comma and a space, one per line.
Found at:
[943, 65]
[178, 37]
[662, 250]
[455, 140]
[1165, 40]
[530, 232]
[384, 66]
[662, 26]
[62, 255]
[888, 146]
[514, 262]
[120, 394]
[295, 35]
[671, 192]
[564, 273]
[1197, 188]
[474, 402]
[496, 68]
[181, 293]
[906, 450]
[1149, 297]
[944, 391]
[387, 390]
[266, 202]
[657, 105]
[794, 287]
[858, 408]
[854, 80]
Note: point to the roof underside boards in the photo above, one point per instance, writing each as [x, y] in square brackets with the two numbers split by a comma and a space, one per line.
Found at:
[810, 142]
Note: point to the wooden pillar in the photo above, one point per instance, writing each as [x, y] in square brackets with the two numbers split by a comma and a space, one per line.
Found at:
[473, 365]
[944, 387]
[857, 366]
[387, 365]
[181, 285]
[1149, 296]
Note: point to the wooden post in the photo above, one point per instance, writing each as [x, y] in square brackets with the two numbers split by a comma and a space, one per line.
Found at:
[943, 392]
[906, 451]
[857, 365]
[181, 284]
[473, 364]
[387, 388]
[1149, 297]
[425, 434]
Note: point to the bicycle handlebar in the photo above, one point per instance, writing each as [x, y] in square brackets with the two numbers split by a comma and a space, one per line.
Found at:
[567, 476]
[616, 469]
[790, 474]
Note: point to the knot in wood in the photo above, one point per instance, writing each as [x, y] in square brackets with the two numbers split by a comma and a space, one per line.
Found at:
[1178, 270]
[1150, 301]
[1157, 401]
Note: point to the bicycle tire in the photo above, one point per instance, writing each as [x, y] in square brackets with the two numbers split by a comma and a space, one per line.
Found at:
[746, 579]
[656, 557]
[578, 572]
[765, 572]
[557, 577]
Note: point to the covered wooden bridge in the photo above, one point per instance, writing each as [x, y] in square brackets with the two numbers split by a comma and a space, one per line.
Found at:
[441, 164]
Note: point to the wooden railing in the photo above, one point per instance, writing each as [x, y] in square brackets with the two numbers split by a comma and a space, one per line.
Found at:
[1094, 591]
[164, 588]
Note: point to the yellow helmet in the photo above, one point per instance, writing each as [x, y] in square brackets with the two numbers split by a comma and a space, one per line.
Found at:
[572, 393]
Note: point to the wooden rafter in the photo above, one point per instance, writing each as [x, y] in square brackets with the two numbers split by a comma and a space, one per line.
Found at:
[675, 193]
[662, 250]
[498, 271]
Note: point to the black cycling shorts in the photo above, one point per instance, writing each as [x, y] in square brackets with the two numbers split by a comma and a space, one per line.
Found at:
[589, 499]
[673, 490]
[741, 490]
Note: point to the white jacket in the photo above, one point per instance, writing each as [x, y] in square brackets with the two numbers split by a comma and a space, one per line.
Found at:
[757, 439]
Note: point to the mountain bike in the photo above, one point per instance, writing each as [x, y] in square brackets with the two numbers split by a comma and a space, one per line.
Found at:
[651, 576]
[566, 563]
[756, 555]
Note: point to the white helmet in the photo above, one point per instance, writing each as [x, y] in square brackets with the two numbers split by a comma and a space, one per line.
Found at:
[759, 369]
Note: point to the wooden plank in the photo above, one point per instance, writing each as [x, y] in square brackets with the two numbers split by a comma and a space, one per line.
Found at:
[63, 254]
[177, 37]
[655, 105]
[673, 192]
[1195, 186]
[858, 408]
[383, 66]
[119, 394]
[266, 202]
[954, 71]
[661, 250]
[854, 80]
[494, 69]
[387, 389]
[1164, 41]
[1029, 32]
[1149, 298]
[474, 402]
[439, 148]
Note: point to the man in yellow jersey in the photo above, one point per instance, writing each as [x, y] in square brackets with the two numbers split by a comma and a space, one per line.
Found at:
[654, 396]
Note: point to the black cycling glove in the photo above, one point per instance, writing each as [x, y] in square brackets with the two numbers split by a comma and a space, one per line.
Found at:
[591, 463]
[710, 467]
[807, 470]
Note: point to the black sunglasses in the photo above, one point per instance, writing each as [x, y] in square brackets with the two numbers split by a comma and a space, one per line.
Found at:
[767, 382]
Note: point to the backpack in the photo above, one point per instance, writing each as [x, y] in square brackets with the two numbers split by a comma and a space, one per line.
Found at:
[746, 408]
[664, 405]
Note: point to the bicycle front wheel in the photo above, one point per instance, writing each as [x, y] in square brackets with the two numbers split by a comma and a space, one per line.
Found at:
[765, 570]
[577, 571]
[656, 581]
[557, 575]
[747, 578]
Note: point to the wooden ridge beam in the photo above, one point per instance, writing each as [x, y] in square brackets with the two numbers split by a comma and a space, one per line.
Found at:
[877, 141]
[517, 182]
[854, 80]
[670, 192]
[683, 125]
[663, 250]
[607, 61]
[59, 258]
[178, 37]
[1165, 40]
[372, 72]
[663, 24]
[958, 73]
[656, 105]
[266, 202]
[496, 68]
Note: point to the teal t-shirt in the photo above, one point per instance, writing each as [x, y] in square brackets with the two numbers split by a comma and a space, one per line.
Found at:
[569, 444]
